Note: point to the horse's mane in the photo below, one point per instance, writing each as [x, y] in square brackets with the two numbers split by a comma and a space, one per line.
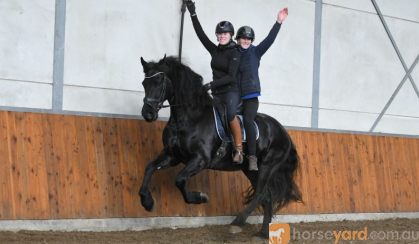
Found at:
[187, 84]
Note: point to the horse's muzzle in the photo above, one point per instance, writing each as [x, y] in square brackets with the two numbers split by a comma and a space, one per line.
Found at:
[148, 113]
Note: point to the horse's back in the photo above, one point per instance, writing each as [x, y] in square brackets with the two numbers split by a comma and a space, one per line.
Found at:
[271, 131]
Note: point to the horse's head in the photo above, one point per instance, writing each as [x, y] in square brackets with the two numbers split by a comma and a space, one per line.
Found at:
[157, 87]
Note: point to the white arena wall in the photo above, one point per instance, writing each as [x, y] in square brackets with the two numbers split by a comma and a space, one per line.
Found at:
[339, 72]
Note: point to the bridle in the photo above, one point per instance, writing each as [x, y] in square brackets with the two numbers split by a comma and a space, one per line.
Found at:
[161, 99]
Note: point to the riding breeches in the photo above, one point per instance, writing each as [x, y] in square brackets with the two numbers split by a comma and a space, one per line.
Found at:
[250, 109]
[231, 100]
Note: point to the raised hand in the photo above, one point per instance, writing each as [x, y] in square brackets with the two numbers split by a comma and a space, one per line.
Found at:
[282, 15]
[191, 7]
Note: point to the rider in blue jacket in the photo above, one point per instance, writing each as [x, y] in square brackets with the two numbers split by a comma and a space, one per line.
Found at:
[249, 83]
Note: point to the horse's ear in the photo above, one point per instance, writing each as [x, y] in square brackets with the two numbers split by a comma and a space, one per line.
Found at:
[144, 64]
[163, 60]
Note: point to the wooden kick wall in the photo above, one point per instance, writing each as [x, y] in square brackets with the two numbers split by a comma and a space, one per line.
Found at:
[64, 166]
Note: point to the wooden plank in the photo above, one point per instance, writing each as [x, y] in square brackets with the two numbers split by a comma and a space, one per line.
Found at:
[128, 155]
[370, 173]
[401, 175]
[325, 165]
[113, 168]
[303, 183]
[334, 181]
[59, 124]
[18, 159]
[52, 170]
[359, 171]
[82, 162]
[7, 210]
[101, 167]
[386, 150]
[383, 185]
[316, 173]
[414, 164]
[409, 189]
[37, 176]
[94, 161]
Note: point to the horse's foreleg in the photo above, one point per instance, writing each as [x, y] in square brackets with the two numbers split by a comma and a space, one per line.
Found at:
[192, 168]
[161, 162]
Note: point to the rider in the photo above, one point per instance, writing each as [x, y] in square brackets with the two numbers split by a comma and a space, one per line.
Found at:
[249, 83]
[225, 60]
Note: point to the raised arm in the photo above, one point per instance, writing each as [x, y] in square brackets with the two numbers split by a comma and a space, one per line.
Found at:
[267, 42]
[208, 44]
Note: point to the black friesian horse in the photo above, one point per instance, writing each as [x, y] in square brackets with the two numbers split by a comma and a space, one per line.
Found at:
[190, 138]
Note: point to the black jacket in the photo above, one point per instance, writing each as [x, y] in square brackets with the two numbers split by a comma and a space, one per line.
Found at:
[225, 61]
[250, 60]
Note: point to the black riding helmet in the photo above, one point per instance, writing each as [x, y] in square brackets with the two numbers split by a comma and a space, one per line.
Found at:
[245, 32]
[223, 27]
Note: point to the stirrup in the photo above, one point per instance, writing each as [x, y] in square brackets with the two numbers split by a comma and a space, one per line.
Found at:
[222, 150]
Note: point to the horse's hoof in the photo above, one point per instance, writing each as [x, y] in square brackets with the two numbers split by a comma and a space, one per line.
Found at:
[234, 229]
[257, 238]
[147, 203]
[261, 236]
[204, 197]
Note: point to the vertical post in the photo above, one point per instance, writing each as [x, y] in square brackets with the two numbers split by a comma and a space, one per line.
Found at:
[58, 66]
[182, 18]
[316, 65]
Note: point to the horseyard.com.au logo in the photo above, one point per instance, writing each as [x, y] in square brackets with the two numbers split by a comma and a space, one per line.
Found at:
[279, 233]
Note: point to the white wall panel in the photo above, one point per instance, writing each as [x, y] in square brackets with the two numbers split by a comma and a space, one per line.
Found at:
[287, 115]
[25, 94]
[104, 101]
[359, 68]
[398, 125]
[101, 100]
[105, 40]
[404, 9]
[406, 102]
[346, 120]
[406, 36]
[27, 40]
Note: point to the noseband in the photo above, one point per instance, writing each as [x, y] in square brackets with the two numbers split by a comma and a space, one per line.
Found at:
[161, 98]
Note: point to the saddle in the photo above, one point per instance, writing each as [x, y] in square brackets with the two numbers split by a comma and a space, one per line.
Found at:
[223, 128]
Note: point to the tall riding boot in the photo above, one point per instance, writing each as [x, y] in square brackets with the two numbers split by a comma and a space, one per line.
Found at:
[237, 137]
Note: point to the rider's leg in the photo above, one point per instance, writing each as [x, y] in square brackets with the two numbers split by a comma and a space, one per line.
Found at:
[232, 100]
[237, 137]
[250, 108]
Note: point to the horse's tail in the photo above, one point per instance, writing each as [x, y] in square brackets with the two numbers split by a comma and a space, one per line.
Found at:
[280, 188]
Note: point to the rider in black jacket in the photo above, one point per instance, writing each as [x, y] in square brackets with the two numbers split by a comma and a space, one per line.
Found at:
[225, 60]
[249, 83]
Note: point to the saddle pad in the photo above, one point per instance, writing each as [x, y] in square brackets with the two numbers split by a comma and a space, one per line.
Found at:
[222, 132]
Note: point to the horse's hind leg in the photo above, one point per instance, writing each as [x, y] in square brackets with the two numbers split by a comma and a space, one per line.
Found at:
[267, 218]
[192, 168]
[161, 162]
[258, 182]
